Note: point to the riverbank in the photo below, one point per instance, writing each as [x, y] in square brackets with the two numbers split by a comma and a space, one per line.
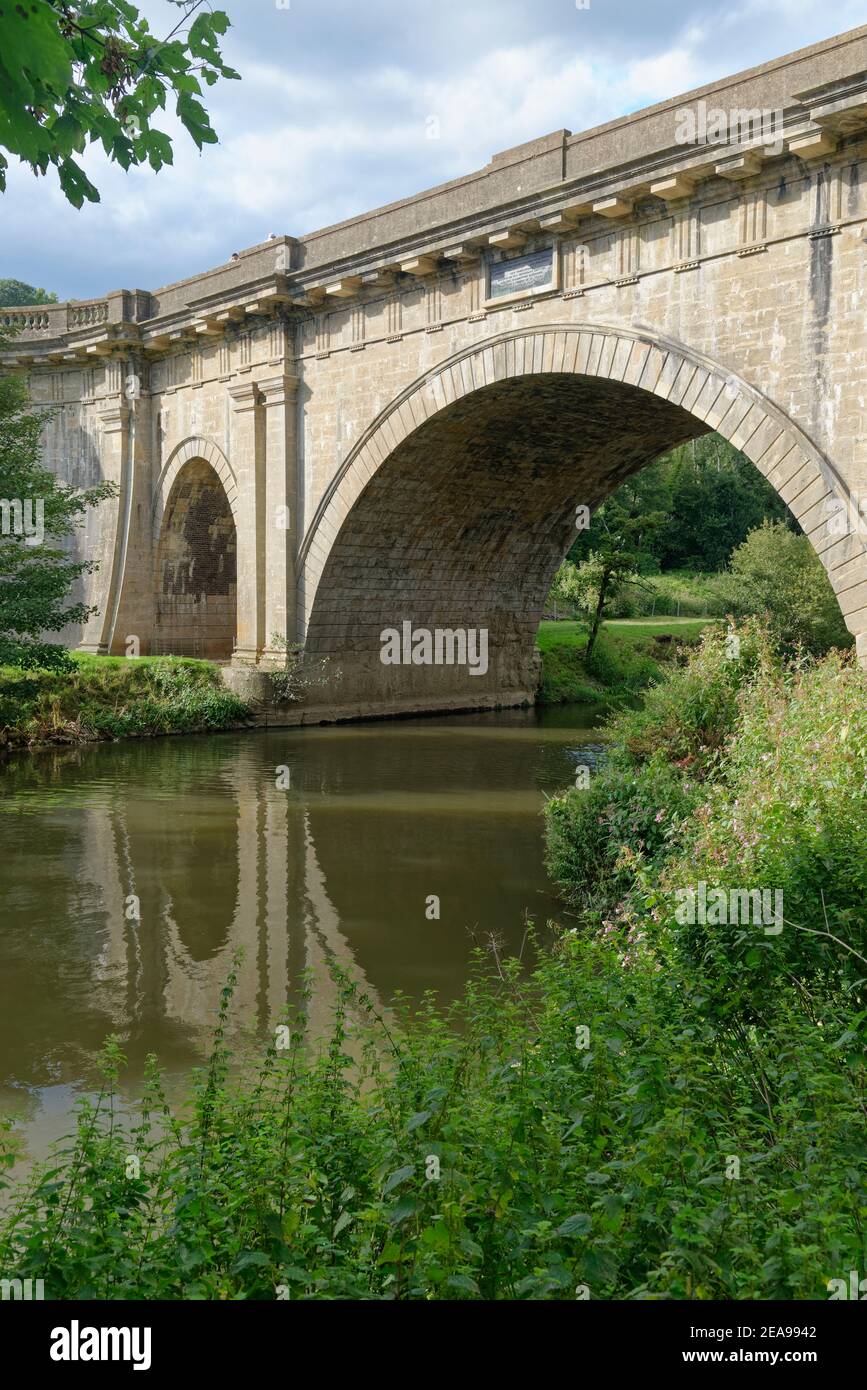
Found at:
[100, 697]
[628, 656]
[670, 1106]
[97, 697]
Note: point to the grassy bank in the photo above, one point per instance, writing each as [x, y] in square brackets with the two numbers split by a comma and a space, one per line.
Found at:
[627, 657]
[658, 1111]
[99, 697]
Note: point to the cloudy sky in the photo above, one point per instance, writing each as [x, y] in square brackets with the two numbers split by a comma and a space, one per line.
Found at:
[340, 99]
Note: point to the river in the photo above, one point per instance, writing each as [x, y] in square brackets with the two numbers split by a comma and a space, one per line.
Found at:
[132, 871]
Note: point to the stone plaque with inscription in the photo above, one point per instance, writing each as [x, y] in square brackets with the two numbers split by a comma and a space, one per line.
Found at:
[532, 272]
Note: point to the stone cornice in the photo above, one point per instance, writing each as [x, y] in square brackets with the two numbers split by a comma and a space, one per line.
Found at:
[279, 389]
[544, 187]
[244, 395]
[114, 418]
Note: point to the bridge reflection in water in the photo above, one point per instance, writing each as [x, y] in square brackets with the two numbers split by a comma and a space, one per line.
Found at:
[337, 863]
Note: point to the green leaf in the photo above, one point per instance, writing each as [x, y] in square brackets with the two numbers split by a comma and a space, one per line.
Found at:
[418, 1119]
[75, 183]
[397, 1177]
[462, 1282]
[407, 1206]
[195, 119]
[249, 1258]
[341, 1223]
[581, 1224]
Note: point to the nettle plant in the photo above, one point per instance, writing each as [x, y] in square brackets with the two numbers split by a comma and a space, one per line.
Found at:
[582, 1131]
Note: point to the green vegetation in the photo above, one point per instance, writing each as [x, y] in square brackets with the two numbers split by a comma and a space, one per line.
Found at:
[703, 499]
[624, 531]
[623, 662]
[682, 593]
[774, 573]
[740, 771]
[657, 1111]
[699, 533]
[113, 697]
[683, 631]
[75, 74]
[779, 574]
[14, 292]
[36, 576]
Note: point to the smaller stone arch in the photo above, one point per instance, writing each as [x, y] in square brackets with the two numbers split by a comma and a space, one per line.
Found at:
[195, 558]
[195, 447]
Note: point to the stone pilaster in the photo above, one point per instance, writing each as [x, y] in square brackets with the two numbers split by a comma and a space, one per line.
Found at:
[281, 515]
[134, 610]
[114, 457]
[248, 455]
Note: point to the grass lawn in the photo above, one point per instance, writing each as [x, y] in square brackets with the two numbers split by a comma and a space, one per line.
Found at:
[641, 630]
[623, 662]
[101, 663]
[633, 630]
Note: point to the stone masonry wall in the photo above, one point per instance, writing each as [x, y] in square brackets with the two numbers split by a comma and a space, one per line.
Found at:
[388, 440]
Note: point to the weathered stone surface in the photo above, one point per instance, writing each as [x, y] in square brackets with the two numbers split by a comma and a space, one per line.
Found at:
[336, 433]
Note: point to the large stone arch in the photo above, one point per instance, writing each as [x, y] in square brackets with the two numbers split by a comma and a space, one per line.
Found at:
[195, 556]
[639, 394]
[195, 447]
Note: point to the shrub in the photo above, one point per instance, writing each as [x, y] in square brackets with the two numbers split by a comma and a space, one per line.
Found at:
[656, 758]
[688, 716]
[680, 592]
[626, 810]
[620, 666]
[779, 574]
[105, 697]
[494, 1153]
[788, 814]
[614, 671]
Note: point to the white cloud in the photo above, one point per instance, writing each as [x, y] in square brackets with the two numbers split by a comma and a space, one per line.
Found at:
[332, 119]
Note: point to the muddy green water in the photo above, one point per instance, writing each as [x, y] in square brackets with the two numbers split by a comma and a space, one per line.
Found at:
[369, 822]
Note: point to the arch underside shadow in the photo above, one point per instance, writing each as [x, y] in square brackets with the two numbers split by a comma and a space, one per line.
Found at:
[196, 567]
[457, 507]
[195, 447]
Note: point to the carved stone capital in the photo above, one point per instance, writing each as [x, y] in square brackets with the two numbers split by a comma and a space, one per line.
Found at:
[114, 418]
[244, 395]
[279, 389]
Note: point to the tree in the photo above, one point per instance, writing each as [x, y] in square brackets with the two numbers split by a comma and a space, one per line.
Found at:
[36, 576]
[712, 497]
[717, 496]
[780, 575]
[16, 292]
[624, 531]
[565, 588]
[73, 74]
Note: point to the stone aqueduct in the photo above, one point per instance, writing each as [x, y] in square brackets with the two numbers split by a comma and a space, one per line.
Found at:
[395, 418]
